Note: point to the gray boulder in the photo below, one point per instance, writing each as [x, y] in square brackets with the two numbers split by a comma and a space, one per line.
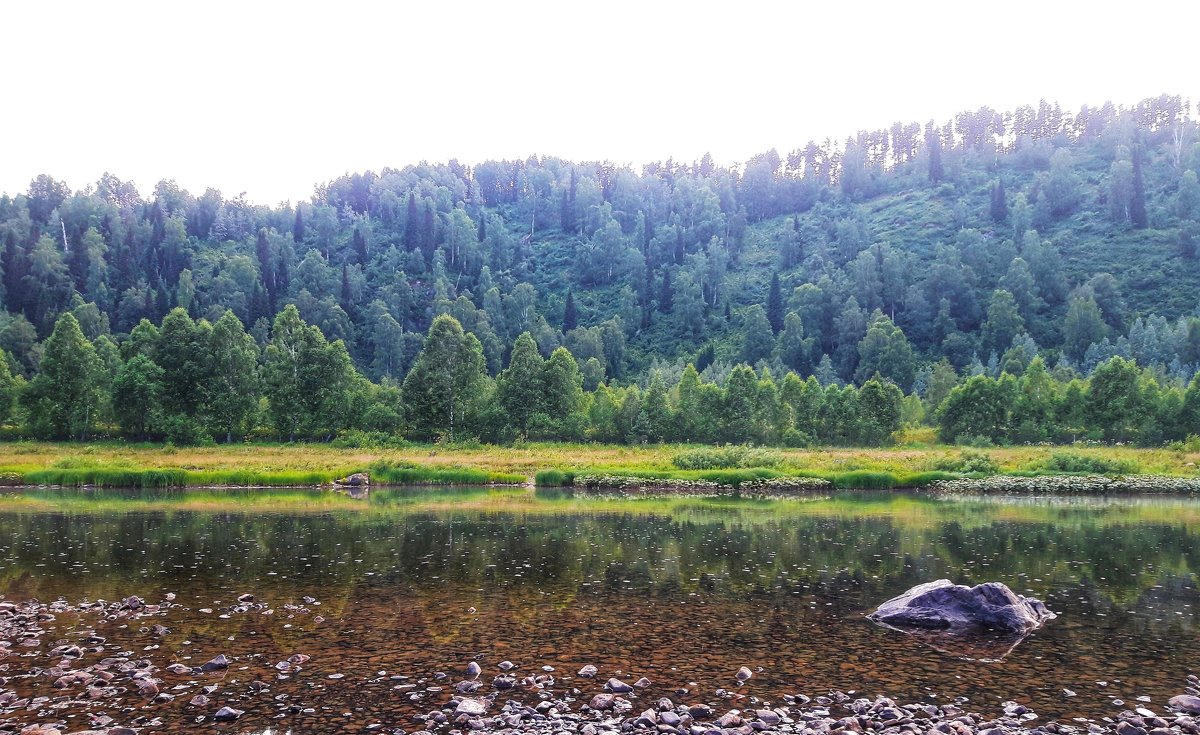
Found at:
[943, 605]
[356, 480]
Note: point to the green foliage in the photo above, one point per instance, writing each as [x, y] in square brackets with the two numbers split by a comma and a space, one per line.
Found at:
[731, 457]
[1089, 463]
[969, 463]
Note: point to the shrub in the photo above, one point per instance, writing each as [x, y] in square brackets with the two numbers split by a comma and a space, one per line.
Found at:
[967, 440]
[725, 458]
[1089, 463]
[969, 463]
[356, 439]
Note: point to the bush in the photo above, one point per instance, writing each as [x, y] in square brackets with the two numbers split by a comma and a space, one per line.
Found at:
[979, 442]
[356, 439]
[1091, 464]
[554, 478]
[969, 463]
[726, 458]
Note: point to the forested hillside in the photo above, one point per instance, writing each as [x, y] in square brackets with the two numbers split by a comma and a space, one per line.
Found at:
[921, 255]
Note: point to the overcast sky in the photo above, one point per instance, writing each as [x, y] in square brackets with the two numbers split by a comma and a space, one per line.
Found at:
[271, 98]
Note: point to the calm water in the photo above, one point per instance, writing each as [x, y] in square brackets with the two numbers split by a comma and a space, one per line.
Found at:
[411, 583]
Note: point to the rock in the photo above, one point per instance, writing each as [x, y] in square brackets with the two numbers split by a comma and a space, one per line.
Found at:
[642, 683]
[588, 671]
[700, 711]
[228, 714]
[617, 686]
[220, 662]
[473, 670]
[945, 605]
[471, 707]
[246, 598]
[1185, 703]
[506, 665]
[358, 479]
[744, 674]
[602, 701]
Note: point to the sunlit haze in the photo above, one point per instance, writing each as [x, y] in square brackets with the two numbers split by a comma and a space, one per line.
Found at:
[272, 98]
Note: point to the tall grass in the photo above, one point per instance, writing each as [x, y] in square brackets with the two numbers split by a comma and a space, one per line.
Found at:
[387, 474]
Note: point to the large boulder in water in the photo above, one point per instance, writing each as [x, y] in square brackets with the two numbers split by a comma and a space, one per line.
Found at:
[943, 605]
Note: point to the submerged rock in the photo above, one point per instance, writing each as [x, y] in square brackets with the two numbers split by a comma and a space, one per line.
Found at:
[944, 605]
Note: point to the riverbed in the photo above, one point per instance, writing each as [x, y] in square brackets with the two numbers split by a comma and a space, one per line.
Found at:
[393, 595]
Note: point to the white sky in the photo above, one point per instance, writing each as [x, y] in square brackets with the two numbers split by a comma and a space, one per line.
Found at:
[270, 98]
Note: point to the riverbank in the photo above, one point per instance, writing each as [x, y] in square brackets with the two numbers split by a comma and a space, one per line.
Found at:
[663, 468]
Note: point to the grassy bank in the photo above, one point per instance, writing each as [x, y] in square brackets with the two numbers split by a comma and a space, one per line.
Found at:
[122, 465]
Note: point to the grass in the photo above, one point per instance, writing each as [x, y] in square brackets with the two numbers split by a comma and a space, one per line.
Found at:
[552, 464]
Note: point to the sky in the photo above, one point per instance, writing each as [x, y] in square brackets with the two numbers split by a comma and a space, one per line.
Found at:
[269, 99]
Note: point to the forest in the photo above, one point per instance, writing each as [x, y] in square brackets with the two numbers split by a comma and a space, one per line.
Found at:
[1003, 277]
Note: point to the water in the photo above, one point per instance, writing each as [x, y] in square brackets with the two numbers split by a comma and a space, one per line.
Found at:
[411, 583]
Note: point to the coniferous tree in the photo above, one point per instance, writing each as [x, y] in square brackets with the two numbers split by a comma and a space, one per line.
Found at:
[999, 202]
[1137, 200]
[775, 305]
[570, 317]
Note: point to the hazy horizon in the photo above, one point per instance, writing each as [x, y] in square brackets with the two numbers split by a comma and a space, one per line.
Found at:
[286, 99]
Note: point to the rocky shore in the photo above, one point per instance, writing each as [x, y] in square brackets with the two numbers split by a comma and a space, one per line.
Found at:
[90, 679]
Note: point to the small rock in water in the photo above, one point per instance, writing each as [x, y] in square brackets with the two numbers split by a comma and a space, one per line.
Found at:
[744, 674]
[506, 665]
[220, 662]
[246, 598]
[618, 686]
[471, 611]
[471, 707]
[602, 701]
[227, 714]
[588, 671]
[473, 670]
[1068, 693]
[642, 683]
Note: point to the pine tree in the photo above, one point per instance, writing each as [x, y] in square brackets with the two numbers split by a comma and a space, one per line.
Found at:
[298, 227]
[775, 305]
[570, 317]
[1137, 200]
[360, 248]
[666, 295]
[999, 205]
[933, 144]
[412, 229]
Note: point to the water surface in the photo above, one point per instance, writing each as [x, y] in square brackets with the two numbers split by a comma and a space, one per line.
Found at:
[682, 591]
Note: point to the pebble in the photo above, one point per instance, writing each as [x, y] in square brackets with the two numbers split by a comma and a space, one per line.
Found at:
[744, 674]
[228, 714]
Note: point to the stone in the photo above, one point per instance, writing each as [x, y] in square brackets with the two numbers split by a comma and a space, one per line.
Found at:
[603, 701]
[1185, 703]
[227, 714]
[471, 707]
[588, 671]
[220, 662]
[357, 479]
[618, 686]
[744, 674]
[944, 605]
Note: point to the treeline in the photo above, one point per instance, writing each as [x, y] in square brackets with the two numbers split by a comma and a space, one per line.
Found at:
[1070, 235]
[192, 381]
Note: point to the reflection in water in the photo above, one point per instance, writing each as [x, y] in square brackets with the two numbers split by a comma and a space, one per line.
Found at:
[684, 590]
